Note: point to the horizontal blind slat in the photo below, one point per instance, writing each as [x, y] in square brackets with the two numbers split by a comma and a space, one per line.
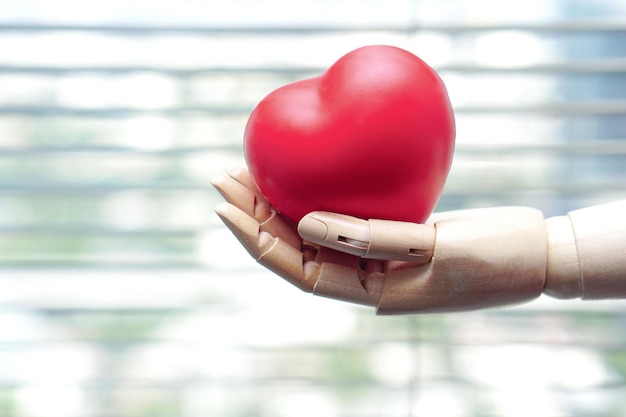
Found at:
[589, 66]
[574, 26]
[607, 107]
[616, 146]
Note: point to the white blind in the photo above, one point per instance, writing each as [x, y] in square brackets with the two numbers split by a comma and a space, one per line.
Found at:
[121, 293]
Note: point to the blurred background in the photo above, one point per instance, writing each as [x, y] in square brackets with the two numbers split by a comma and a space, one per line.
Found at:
[122, 294]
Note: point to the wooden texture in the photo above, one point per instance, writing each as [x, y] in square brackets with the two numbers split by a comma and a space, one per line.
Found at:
[342, 278]
[462, 260]
[562, 270]
[496, 257]
[600, 233]
[371, 239]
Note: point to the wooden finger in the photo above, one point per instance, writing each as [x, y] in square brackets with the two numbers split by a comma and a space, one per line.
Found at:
[242, 197]
[286, 261]
[243, 177]
[341, 278]
[262, 207]
[245, 228]
[345, 283]
[372, 239]
[336, 231]
[276, 225]
[274, 253]
[401, 241]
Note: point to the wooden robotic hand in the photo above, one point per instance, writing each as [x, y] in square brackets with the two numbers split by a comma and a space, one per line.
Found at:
[460, 260]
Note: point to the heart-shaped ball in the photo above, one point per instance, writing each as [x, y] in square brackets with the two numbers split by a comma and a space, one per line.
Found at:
[372, 137]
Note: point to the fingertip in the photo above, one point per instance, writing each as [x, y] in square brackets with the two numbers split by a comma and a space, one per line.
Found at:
[238, 172]
[313, 229]
[220, 183]
[221, 209]
[217, 181]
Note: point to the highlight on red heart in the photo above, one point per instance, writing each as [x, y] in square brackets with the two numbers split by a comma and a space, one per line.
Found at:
[372, 137]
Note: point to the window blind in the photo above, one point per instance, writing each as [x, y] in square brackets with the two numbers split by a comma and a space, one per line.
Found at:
[121, 293]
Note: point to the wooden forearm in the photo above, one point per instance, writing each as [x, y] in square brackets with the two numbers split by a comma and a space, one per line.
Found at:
[587, 253]
[511, 255]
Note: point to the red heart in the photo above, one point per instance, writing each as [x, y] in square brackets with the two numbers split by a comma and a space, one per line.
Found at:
[372, 137]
